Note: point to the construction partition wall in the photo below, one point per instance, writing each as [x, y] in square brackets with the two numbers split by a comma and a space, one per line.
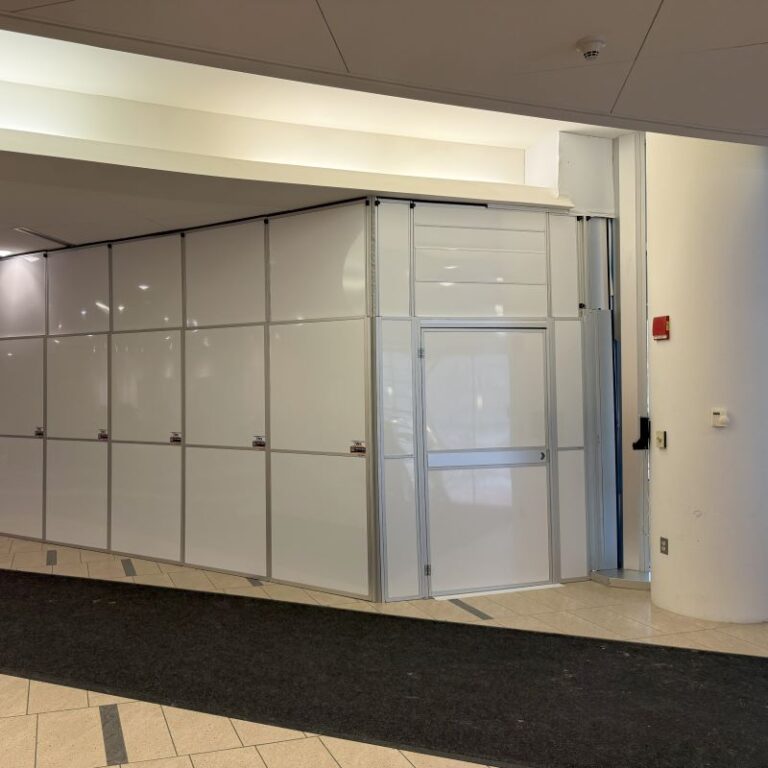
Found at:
[249, 397]
[199, 397]
[481, 406]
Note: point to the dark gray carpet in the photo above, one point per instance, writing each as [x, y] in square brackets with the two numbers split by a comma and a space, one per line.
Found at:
[489, 695]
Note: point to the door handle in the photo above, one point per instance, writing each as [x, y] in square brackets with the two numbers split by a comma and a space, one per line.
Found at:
[643, 443]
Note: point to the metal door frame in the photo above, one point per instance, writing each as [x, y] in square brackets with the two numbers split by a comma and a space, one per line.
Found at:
[419, 328]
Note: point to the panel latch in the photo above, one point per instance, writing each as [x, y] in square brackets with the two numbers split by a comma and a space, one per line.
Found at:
[357, 447]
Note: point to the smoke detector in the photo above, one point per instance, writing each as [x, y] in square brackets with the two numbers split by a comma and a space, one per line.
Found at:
[590, 47]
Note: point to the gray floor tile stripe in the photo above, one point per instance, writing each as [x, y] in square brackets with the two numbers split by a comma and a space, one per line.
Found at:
[51, 557]
[255, 582]
[471, 609]
[128, 567]
[112, 731]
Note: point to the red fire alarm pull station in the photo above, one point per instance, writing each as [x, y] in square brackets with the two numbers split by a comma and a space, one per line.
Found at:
[660, 328]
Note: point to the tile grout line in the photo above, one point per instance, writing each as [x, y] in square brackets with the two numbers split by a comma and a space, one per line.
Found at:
[37, 725]
[170, 732]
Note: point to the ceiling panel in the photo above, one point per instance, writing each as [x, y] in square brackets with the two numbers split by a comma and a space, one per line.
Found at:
[716, 89]
[285, 31]
[590, 89]
[695, 25]
[474, 45]
[84, 202]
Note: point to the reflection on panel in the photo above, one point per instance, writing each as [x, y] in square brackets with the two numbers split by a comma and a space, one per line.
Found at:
[317, 264]
[146, 386]
[393, 252]
[573, 515]
[76, 493]
[397, 388]
[473, 266]
[485, 389]
[146, 500]
[78, 290]
[320, 521]
[226, 516]
[437, 215]
[225, 386]
[225, 275]
[501, 240]
[77, 386]
[146, 277]
[21, 382]
[401, 529]
[317, 385]
[449, 299]
[570, 404]
[21, 487]
[488, 527]
[22, 296]
[564, 259]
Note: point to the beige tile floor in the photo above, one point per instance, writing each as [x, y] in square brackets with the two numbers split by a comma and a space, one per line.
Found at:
[49, 726]
[52, 726]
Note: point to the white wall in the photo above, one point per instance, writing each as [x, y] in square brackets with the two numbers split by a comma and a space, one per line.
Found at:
[708, 270]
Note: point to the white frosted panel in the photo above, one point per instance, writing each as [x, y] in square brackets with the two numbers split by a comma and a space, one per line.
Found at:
[485, 389]
[318, 389]
[226, 514]
[225, 274]
[480, 300]
[78, 290]
[564, 260]
[467, 266]
[21, 487]
[570, 406]
[320, 521]
[397, 387]
[480, 239]
[317, 264]
[225, 386]
[22, 296]
[146, 500]
[146, 386]
[401, 529]
[146, 277]
[76, 491]
[488, 527]
[478, 216]
[77, 386]
[393, 252]
[573, 514]
[21, 385]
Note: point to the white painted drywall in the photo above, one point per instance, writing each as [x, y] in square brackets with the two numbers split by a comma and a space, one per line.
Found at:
[708, 270]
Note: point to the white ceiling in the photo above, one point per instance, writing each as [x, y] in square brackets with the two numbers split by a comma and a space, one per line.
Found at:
[686, 66]
[81, 202]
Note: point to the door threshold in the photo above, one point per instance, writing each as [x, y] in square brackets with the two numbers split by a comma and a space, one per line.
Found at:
[504, 590]
[623, 578]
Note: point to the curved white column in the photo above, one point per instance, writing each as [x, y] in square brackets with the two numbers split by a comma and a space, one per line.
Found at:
[708, 270]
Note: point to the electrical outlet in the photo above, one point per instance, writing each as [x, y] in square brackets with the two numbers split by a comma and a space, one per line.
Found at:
[664, 545]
